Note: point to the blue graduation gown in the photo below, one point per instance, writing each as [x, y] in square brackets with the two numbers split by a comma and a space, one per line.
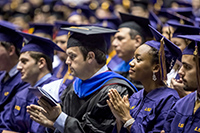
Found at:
[56, 69]
[150, 111]
[15, 117]
[181, 119]
[9, 88]
[114, 62]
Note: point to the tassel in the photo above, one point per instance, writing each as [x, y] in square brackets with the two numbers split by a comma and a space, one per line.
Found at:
[196, 55]
[67, 75]
[163, 70]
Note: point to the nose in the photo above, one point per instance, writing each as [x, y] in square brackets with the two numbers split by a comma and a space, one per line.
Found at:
[19, 66]
[132, 63]
[68, 61]
[181, 72]
[115, 42]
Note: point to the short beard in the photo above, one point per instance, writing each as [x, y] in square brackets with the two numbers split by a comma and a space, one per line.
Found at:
[186, 88]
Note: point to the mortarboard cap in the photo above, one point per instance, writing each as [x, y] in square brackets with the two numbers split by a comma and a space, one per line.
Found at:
[91, 36]
[82, 10]
[189, 50]
[184, 29]
[184, 3]
[64, 24]
[155, 21]
[185, 11]
[171, 15]
[141, 3]
[166, 49]
[9, 34]
[137, 23]
[42, 28]
[39, 44]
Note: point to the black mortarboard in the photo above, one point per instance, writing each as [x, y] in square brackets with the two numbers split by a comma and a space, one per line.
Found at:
[167, 50]
[42, 28]
[39, 44]
[137, 23]
[64, 24]
[9, 34]
[184, 29]
[89, 36]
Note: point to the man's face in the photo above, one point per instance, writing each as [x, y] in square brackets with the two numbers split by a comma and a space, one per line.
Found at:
[76, 62]
[28, 67]
[188, 73]
[123, 44]
[4, 58]
[61, 41]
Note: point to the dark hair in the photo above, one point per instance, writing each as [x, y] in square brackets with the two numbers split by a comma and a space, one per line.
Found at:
[99, 55]
[133, 33]
[155, 60]
[7, 45]
[38, 55]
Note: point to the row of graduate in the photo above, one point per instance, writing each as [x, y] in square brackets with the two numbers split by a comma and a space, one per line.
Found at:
[93, 101]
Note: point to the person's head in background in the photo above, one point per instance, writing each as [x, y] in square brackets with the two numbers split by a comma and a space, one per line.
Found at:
[42, 30]
[36, 58]
[132, 33]
[10, 45]
[181, 29]
[140, 8]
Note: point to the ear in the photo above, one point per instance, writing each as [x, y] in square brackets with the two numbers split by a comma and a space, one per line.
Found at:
[90, 56]
[138, 40]
[11, 50]
[42, 62]
[156, 68]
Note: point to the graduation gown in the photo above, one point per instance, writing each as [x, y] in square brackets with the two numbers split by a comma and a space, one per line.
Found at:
[91, 113]
[181, 119]
[9, 88]
[15, 117]
[56, 70]
[150, 111]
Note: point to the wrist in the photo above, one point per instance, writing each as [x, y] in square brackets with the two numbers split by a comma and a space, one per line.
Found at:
[129, 123]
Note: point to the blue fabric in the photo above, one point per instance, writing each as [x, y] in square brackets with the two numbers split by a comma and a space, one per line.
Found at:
[84, 88]
[150, 111]
[9, 88]
[15, 118]
[114, 62]
[122, 67]
[181, 119]
[56, 69]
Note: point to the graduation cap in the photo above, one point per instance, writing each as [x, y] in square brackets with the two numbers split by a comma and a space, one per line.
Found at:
[112, 22]
[185, 11]
[167, 50]
[184, 29]
[42, 28]
[91, 36]
[141, 3]
[170, 15]
[137, 23]
[39, 44]
[9, 34]
[193, 49]
[155, 21]
[82, 10]
[64, 24]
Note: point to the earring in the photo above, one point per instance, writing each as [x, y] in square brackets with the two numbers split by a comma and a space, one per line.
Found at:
[154, 77]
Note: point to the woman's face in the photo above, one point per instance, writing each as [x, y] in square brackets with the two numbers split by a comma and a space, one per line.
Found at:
[141, 67]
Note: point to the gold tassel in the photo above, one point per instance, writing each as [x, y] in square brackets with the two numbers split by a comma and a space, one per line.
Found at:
[197, 66]
[163, 70]
[67, 75]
